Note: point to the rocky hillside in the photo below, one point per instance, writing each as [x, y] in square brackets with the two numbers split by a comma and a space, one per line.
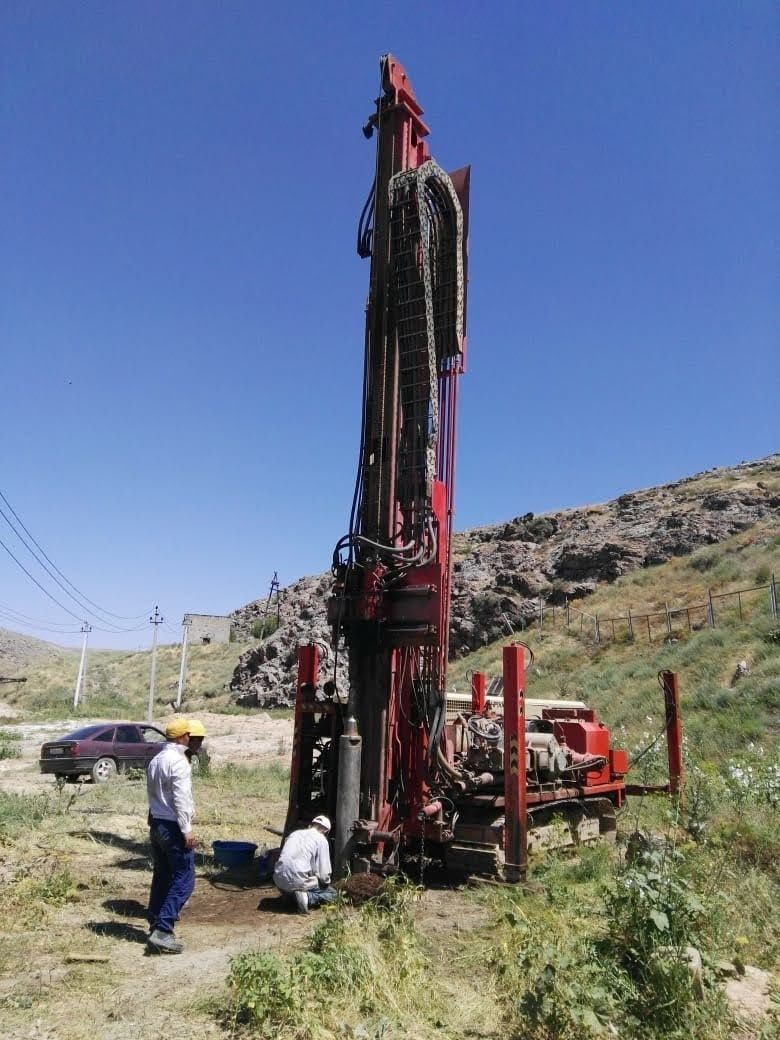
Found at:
[501, 571]
[18, 652]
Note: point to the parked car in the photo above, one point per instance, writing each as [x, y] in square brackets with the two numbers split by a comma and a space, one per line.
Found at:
[100, 750]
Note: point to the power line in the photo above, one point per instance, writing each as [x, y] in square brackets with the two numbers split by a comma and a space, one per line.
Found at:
[38, 560]
[17, 615]
[100, 610]
[8, 619]
[45, 591]
[35, 580]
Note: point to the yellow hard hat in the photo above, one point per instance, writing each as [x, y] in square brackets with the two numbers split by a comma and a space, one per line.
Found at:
[197, 729]
[177, 728]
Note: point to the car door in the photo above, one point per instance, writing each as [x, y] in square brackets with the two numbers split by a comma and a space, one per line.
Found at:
[129, 747]
[101, 745]
[153, 742]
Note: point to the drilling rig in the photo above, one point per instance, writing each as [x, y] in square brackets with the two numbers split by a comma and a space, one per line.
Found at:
[398, 775]
[368, 762]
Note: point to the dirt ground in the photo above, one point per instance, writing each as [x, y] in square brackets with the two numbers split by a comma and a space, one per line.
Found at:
[246, 739]
[98, 834]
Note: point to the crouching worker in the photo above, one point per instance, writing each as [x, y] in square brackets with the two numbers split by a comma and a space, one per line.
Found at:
[171, 809]
[302, 871]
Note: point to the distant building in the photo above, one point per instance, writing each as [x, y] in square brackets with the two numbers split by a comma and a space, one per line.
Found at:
[207, 628]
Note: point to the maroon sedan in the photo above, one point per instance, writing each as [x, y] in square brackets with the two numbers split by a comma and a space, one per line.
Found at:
[100, 750]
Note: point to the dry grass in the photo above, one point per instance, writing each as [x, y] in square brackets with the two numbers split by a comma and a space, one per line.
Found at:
[118, 681]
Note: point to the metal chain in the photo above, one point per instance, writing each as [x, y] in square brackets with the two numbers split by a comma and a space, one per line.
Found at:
[407, 189]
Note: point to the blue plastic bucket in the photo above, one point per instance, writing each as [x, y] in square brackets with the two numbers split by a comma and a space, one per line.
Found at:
[234, 854]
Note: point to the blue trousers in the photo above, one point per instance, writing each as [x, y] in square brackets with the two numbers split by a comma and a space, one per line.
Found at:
[320, 896]
[173, 878]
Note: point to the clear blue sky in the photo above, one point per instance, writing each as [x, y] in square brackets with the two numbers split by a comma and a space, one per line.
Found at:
[181, 305]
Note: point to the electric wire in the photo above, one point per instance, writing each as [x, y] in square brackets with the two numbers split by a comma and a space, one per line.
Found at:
[45, 591]
[21, 618]
[61, 631]
[101, 610]
[53, 576]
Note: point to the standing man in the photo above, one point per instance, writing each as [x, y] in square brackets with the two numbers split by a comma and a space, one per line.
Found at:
[303, 868]
[171, 809]
[197, 736]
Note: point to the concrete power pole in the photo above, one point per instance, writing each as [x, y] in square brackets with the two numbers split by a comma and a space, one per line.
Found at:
[185, 627]
[155, 620]
[86, 628]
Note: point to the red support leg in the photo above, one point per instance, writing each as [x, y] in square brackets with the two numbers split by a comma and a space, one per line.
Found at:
[515, 795]
[308, 673]
[478, 692]
[673, 732]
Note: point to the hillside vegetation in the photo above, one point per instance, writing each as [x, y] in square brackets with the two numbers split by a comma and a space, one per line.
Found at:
[117, 682]
[618, 677]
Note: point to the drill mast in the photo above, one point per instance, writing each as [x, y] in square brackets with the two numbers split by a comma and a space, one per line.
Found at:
[372, 762]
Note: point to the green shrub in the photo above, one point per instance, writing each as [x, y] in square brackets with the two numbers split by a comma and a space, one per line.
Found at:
[9, 744]
[261, 629]
[654, 914]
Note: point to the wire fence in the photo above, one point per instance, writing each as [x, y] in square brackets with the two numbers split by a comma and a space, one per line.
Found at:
[658, 625]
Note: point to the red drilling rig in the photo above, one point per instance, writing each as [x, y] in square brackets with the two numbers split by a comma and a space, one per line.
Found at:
[397, 774]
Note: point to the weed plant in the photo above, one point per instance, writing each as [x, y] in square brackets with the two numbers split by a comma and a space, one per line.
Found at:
[20, 814]
[9, 744]
[361, 973]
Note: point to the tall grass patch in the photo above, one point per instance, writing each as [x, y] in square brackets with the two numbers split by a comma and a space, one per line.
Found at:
[10, 744]
[360, 973]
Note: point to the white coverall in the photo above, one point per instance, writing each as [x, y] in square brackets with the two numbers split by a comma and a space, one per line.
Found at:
[304, 862]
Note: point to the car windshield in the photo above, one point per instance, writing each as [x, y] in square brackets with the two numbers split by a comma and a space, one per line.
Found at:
[82, 734]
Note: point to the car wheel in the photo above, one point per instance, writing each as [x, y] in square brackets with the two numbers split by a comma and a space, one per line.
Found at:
[103, 770]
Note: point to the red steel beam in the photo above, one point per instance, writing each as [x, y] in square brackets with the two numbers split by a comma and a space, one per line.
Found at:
[515, 794]
[674, 752]
[478, 698]
[308, 673]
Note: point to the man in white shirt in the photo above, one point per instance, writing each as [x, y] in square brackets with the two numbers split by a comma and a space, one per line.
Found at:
[171, 809]
[303, 868]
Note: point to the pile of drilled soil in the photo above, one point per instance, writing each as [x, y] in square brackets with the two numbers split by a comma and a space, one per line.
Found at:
[359, 888]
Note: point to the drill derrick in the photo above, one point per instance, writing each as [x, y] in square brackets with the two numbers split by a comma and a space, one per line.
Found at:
[390, 605]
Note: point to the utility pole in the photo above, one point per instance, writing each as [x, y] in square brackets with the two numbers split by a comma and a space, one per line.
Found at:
[86, 628]
[155, 620]
[274, 588]
[185, 628]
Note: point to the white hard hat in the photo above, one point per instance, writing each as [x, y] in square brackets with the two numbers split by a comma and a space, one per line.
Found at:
[323, 821]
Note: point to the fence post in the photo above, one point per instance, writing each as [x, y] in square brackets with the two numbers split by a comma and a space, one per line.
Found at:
[613, 628]
[668, 621]
[688, 615]
[630, 624]
[541, 615]
[710, 609]
[597, 628]
[649, 634]
[739, 604]
[773, 598]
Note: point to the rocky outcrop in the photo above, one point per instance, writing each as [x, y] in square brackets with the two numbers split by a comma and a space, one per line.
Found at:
[265, 674]
[501, 571]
